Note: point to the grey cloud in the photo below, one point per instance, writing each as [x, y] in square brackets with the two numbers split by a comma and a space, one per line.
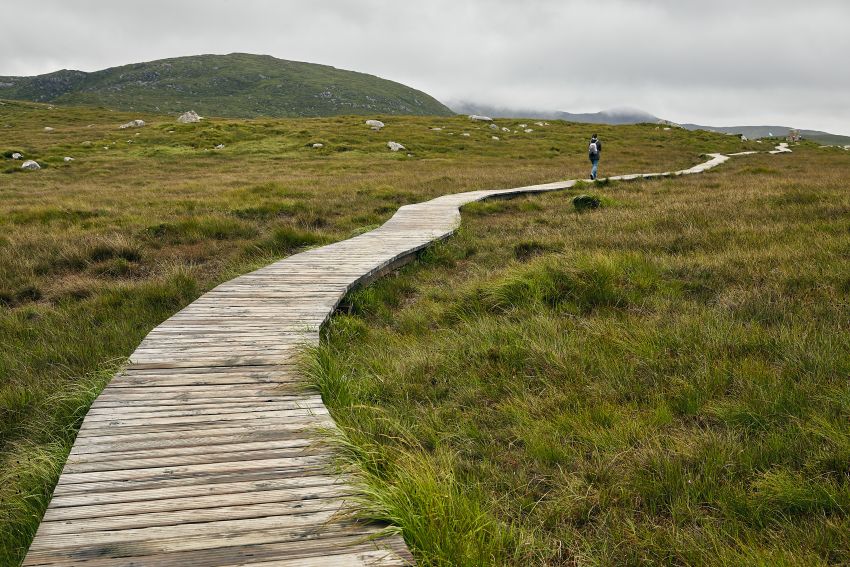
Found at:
[724, 61]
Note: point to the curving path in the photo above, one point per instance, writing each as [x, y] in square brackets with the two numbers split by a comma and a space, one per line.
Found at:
[203, 451]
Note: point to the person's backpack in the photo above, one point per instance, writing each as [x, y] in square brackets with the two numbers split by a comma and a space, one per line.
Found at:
[593, 149]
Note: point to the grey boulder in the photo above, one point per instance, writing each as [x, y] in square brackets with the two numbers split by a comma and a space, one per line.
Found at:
[132, 124]
[188, 117]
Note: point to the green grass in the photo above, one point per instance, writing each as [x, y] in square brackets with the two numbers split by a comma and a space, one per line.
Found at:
[662, 380]
[96, 252]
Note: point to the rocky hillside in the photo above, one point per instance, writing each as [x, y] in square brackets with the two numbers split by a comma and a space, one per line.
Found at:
[235, 85]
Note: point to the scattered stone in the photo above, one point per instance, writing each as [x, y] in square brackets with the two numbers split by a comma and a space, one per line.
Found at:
[48, 129]
[68, 159]
[437, 129]
[189, 117]
[667, 129]
[16, 155]
[523, 125]
[541, 124]
[505, 129]
[528, 130]
[375, 125]
[465, 134]
[317, 145]
[409, 155]
[395, 146]
[493, 127]
[480, 118]
[86, 144]
[220, 147]
[30, 165]
[132, 124]
[584, 202]
[744, 138]
[495, 137]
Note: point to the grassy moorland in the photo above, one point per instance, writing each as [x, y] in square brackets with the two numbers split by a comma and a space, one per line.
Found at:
[96, 252]
[663, 380]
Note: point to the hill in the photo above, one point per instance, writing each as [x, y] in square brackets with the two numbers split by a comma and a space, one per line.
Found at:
[238, 85]
[614, 116]
[774, 131]
[619, 116]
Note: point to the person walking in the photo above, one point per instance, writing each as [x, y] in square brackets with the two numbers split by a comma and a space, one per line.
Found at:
[594, 150]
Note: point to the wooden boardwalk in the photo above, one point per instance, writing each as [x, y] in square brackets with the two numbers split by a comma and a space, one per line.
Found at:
[203, 451]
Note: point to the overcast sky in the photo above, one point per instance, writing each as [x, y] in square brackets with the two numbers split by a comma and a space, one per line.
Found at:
[717, 62]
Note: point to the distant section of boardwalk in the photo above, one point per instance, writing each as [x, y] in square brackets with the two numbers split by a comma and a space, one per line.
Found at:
[203, 451]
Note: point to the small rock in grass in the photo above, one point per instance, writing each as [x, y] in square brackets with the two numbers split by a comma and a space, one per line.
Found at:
[48, 129]
[528, 130]
[495, 137]
[16, 155]
[86, 144]
[480, 118]
[505, 129]
[30, 165]
[437, 129]
[584, 202]
[220, 147]
[539, 124]
[317, 145]
[493, 127]
[68, 159]
[189, 117]
[132, 124]
[523, 125]
[395, 146]
[465, 134]
[375, 124]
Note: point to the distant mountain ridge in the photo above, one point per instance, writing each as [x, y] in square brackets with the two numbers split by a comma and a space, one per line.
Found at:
[237, 85]
[618, 116]
[613, 116]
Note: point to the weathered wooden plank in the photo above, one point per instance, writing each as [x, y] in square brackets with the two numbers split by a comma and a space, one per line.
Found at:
[139, 463]
[155, 504]
[168, 404]
[221, 448]
[197, 490]
[165, 436]
[175, 518]
[192, 470]
[122, 413]
[208, 478]
[200, 534]
[223, 552]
